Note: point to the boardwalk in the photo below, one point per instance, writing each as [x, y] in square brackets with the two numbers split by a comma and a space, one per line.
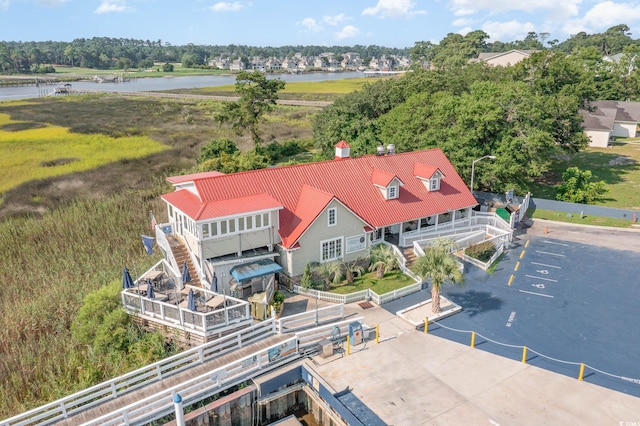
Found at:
[171, 381]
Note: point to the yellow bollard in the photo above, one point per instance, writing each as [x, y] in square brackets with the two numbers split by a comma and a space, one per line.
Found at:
[426, 325]
[377, 333]
[517, 266]
[581, 371]
[526, 244]
[348, 347]
[511, 279]
[473, 339]
[522, 254]
[524, 355]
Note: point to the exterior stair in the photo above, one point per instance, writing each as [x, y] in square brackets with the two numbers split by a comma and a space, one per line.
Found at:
[181, 254]
[409, 255]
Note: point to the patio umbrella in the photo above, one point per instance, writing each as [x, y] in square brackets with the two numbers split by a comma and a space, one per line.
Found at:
[191, 303]
[214, 283]
[150, 293]
[127, 281]
[186, 277]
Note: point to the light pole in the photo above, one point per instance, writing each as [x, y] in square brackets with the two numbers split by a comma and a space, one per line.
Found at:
[473, 164]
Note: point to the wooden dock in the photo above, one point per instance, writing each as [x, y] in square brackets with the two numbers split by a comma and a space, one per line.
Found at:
[171, 381]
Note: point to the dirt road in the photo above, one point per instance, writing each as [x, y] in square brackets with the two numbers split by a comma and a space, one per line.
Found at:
[615, 238]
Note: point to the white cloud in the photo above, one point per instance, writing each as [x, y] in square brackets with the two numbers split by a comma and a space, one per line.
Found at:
[507, 31]
[335, 20]
[462, 22]
[602, 16]
[348, 32]
[393, 9]
[111, 6]
[557, 9]
[311, 24]
[227, 7]
[4, 4]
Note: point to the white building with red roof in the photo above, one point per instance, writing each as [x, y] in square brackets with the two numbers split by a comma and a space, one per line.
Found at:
[316, 212]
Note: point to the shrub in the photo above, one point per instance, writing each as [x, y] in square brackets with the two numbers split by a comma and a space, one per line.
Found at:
[482, 251]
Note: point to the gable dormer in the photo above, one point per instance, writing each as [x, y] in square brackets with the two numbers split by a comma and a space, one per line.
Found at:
[429, 175]
[388, 184]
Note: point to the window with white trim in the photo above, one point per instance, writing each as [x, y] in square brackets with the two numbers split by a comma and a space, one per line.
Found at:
[392, 192]
[332, 215]
[331, 250]
[434, 184]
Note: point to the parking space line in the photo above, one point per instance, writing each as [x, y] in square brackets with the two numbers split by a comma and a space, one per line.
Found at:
[553, 242]
[544, 264]
[551, 254]
[537, 294]
[540, 278]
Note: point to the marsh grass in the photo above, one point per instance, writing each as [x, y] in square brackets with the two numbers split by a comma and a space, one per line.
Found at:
[43, 152]
[48, 266]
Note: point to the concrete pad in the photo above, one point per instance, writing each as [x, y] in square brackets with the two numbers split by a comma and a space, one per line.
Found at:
[421, 379]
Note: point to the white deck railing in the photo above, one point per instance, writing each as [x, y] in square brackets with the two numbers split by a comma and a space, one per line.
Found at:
[141, 377]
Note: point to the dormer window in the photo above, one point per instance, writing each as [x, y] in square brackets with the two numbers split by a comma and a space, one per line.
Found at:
[392, 192]
[434, 183]
[429, 175]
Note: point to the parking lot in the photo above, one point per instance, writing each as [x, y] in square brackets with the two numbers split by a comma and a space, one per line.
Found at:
[569, 303]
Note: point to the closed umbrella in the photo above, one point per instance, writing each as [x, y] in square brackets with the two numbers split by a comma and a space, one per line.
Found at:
[127, 281]
[150, 293]
[214, 283]
[191, 303]
[186, 276]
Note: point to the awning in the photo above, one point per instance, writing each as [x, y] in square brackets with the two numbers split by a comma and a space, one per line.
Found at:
[257, 269]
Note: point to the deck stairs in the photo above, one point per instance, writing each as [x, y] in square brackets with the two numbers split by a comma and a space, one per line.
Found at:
[181, 254]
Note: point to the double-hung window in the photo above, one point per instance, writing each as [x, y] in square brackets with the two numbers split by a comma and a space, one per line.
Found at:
[332, 215]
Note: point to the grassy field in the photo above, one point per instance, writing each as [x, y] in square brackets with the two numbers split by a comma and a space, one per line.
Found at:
[575, 218]
[618, 167]
[308, 91]
[156, 71]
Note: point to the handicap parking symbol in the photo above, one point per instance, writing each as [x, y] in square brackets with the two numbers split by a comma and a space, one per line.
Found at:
[538, 285]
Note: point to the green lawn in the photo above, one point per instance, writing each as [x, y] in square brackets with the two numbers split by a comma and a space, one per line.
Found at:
[392, 281]
[575, 218]
[618, 167]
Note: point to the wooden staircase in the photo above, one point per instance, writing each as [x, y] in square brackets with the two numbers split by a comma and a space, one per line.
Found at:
[408, 254]
[181, 254]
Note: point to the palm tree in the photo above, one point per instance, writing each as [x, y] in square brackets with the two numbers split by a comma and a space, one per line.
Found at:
[439, 265]
[351, 269]
[330, 272]
[383, 260]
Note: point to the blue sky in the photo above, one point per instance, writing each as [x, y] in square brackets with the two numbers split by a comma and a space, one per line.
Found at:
[391, 23]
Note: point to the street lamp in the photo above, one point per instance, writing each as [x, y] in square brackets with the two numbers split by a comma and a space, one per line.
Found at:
[473, 164]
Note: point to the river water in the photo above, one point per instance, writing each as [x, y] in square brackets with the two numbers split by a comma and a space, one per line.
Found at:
[166, 83]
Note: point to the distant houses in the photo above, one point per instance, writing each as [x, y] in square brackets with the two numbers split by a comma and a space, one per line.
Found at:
[503, 59]
[606, 120]
[326, 61]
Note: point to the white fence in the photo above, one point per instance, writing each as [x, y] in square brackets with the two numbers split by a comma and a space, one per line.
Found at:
[141, 377]
[310, 318]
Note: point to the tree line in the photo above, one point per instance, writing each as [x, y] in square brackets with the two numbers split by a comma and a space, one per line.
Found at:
[121, 53]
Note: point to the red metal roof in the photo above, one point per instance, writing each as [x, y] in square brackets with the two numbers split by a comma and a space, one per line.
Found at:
[189, 204]
[380, 178]
[342, 144]
[424, 171]
[348, 180]
[189, 178]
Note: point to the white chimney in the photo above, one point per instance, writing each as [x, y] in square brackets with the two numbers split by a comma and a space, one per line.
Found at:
[342, 150]
[380, 150]
[391, 149]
